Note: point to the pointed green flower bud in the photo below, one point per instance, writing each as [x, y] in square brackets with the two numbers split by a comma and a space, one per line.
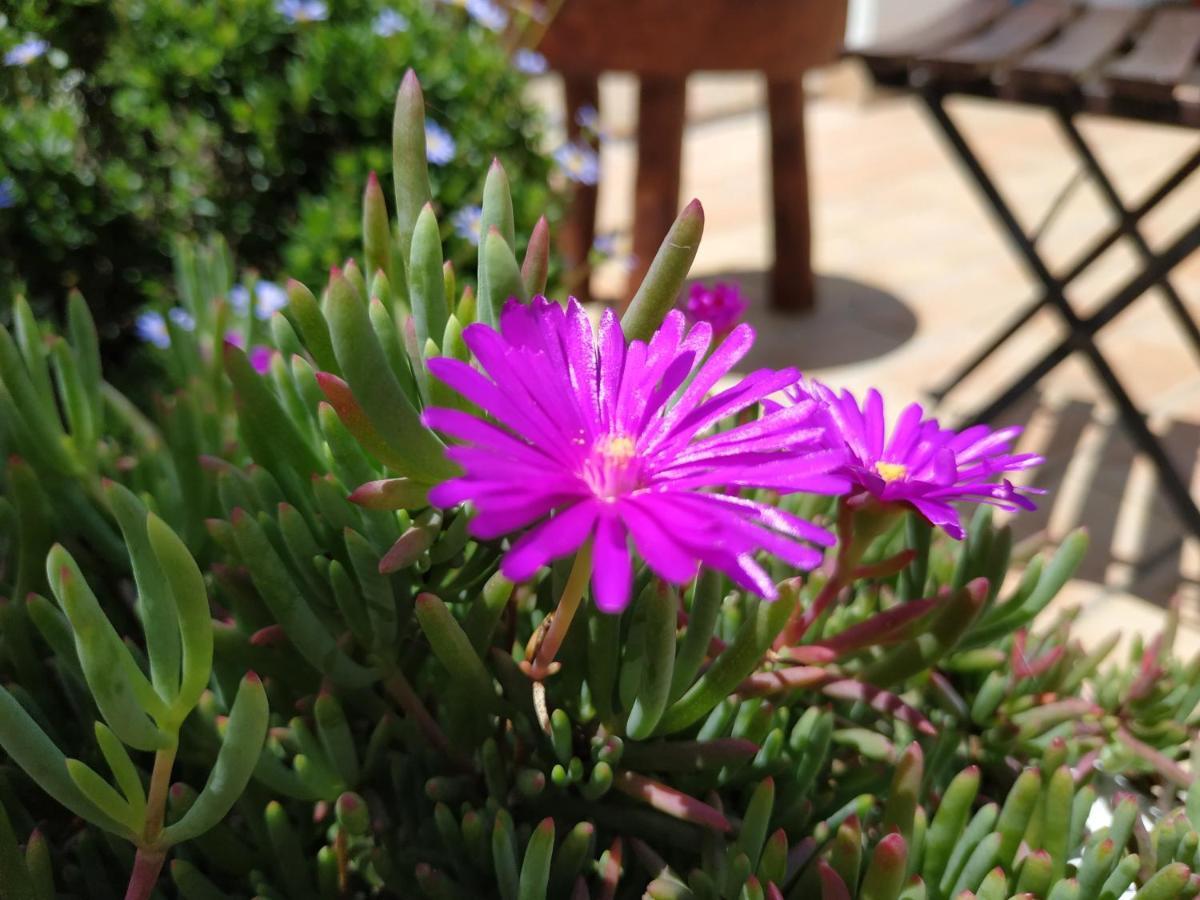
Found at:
[376, 388]
[465, 310]
[659, 291]
[410, 168]
[536, 265]
[426, 280]
[502, 279]
[377, 239]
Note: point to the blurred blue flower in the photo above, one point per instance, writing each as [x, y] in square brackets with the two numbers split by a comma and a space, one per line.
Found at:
[439, 145]
[588, 117]
[297, 11]
[530, 62]
[181, 318]
[8, 193]
[239, 298]
[468, 223]
[389, 22]
[605, 244]
[578, 162]
[151, 328]
[26, 52]
[269, 298]
[488, 13]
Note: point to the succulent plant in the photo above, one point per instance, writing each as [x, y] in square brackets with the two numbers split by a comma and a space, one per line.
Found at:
[796, 684]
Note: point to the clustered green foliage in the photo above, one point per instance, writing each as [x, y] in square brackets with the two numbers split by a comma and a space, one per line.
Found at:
[150, 118]
[923, 737]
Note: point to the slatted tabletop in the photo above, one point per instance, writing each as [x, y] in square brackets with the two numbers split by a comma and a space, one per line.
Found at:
[1141, 63]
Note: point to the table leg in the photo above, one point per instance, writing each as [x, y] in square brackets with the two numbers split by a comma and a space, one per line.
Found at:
[579, 228]
[661, 107]
[1081, 332]
[792, 288]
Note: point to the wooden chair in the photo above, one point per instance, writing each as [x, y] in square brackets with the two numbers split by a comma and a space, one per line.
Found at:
[664, 41]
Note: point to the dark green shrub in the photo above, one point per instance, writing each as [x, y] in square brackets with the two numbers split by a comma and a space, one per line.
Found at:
[146, 118]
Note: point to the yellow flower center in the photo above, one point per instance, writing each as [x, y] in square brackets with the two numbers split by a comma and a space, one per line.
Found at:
[613, 468]
[616, 448]
[891, 471]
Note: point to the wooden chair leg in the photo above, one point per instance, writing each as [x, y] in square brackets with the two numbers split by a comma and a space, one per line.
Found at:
[661, 107]
[579, 228]
[792, 288]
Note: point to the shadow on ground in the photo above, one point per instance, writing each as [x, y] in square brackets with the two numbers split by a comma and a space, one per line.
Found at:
[1094, 478]
[853, 321]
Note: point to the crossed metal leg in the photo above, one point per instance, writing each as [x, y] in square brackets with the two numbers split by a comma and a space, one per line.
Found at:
[1082, 331]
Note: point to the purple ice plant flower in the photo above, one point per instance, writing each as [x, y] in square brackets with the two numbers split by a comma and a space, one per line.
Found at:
[590, 439]
[578, 161]
[439, 144]
[530, 62]
[468, 223]
[26, 52]
[151, 328]
[260, 357]
[488, 13]
[921, 464]
[721, 305]
[389, 22]
[300, 11]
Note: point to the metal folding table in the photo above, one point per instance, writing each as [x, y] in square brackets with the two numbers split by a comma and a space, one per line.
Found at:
[1071, 59]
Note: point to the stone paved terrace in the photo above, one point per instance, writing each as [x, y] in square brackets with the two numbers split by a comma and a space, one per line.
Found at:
[913, 274]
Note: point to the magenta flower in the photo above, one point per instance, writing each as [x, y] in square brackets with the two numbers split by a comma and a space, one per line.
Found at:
[260, 356]
[921, 464]
[593, 439]
[720, 305]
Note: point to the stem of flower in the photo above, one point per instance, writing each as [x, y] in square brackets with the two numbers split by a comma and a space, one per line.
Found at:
[343, 860]
[543, 663]
[802, 620]
[858, 526]
[156, 799]
[148, 862]
[146, 867]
